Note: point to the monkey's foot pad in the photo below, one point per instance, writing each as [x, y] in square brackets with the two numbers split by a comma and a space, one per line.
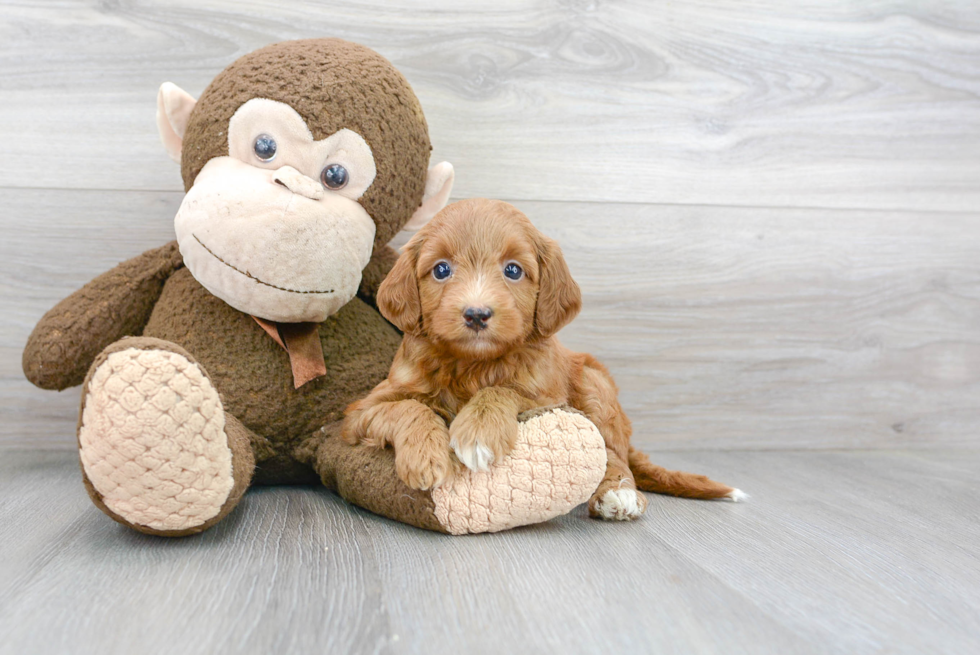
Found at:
[558, 463]
[153, 442]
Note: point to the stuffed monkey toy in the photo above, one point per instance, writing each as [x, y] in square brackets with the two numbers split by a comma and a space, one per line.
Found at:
[226, 358]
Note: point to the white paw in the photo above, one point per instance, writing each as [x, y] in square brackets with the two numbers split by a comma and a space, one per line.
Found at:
[737, 495]
[620, 505]
[475, 456]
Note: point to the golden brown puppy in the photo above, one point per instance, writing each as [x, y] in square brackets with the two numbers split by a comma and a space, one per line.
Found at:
[479, 294]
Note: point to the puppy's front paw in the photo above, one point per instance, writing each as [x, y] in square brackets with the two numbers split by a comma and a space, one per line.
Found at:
[350, 431]
[618, 505]
[423, 464]
[479, 438]
[474, 456]
[354, 428]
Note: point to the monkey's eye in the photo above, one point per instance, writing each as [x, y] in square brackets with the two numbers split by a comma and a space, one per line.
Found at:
[442, 271]
[264, 147]
[513, 272]
[334, 177]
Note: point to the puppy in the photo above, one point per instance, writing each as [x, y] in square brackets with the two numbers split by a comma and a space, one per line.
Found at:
[480, 294]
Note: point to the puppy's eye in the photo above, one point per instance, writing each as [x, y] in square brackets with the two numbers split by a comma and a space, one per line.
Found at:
[334, 177]
[264, 147]
[442, 271]
[513, 272]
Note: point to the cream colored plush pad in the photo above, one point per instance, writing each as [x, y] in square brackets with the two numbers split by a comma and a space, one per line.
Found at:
[153, 440]
[559, 461]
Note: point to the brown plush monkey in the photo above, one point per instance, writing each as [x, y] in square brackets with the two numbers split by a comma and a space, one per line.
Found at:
[227, 357]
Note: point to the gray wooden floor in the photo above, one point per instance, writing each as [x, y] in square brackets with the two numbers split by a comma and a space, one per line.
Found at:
[773, 210]
[837, 552]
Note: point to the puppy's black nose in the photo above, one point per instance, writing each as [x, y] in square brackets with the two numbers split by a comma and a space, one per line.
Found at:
[477, 317]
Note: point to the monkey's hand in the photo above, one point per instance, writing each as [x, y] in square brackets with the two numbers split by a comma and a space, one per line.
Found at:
[116, 304]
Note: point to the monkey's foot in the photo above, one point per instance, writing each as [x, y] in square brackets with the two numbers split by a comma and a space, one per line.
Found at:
[155, 445]
[556, 465]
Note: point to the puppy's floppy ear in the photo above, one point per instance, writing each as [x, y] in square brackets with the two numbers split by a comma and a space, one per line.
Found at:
[398, 296]
[559, 298]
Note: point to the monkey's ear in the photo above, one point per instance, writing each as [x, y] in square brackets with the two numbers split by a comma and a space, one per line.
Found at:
[438, 186]
[398, 296]
[174, 107]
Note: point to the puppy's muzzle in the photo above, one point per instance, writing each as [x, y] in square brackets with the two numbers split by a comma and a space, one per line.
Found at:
[477, 317]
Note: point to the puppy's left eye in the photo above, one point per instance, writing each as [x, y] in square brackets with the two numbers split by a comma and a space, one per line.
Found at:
[442, 271]
[513, 272]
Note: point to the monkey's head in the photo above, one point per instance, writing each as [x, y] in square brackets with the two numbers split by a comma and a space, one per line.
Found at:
[298, 160]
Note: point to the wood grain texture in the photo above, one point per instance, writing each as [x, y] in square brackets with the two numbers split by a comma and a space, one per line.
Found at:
[772, 210]
[770, 328]
[834, 104]
[53, 243]
[846, 552]
[724, 327]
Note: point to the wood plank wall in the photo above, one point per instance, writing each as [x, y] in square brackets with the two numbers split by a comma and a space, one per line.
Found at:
[772, 207]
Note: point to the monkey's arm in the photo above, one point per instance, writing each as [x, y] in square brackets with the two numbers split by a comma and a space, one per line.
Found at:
[116, 304]
[374, 274]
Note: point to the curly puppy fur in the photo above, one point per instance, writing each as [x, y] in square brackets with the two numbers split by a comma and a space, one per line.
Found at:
[458, 382]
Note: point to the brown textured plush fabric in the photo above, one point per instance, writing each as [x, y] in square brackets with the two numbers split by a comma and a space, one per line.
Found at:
[540, 411]
[382, 261]
[239, 442]
[113, 305]
[302, 342]
[252, 372]
[366, 477]
[281, 437]
[333, 84]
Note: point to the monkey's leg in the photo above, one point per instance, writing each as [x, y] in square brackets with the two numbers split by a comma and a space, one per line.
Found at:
[366, 476]
[557, 462]
[158, 452]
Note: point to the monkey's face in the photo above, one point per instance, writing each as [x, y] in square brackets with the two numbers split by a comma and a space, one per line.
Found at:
[274, 229]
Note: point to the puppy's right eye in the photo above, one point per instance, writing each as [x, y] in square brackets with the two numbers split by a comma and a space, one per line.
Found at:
[442, 271]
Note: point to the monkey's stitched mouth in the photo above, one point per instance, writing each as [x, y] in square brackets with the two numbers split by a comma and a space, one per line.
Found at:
[252, 277]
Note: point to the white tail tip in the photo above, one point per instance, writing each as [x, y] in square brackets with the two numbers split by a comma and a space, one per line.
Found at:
[737, 495]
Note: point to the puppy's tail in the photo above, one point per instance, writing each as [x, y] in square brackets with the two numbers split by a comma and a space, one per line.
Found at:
[650, 477]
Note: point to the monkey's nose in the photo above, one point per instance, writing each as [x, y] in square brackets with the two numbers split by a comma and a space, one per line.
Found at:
[298, 183]
[477, 317]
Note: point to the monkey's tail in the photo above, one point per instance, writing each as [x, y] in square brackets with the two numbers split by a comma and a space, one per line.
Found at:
[650, 477]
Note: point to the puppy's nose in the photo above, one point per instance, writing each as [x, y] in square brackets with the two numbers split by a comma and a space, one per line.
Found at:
[477, 317]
